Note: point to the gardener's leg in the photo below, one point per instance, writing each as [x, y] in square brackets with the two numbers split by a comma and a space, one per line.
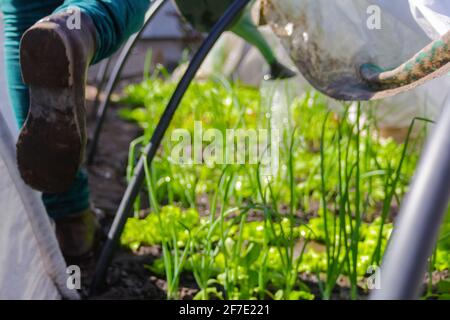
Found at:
[51, 145]
[114, 22]
[75, 224]
[77, 34]
[18, 16]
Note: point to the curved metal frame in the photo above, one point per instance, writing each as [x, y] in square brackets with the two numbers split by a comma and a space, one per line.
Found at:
[114, 79]
[137, 180]
[421, 214]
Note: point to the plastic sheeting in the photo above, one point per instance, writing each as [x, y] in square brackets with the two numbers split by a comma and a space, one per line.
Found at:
[433, 16]
[330, 40]
[31, 264]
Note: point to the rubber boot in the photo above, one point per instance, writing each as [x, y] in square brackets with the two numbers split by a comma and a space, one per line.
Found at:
[54, 58]
[77, 236]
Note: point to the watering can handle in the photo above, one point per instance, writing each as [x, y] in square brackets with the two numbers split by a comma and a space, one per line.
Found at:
[431, 62]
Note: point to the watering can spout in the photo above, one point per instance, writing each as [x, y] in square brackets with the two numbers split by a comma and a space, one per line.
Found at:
[431, 62]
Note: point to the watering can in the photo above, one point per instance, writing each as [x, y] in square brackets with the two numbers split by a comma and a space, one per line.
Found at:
[353, 50]
[204, 14]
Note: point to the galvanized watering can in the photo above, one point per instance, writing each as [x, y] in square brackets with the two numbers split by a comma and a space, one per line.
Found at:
[354, 50]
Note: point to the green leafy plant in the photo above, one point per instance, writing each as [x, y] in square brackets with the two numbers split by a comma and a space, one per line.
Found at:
[326, 212]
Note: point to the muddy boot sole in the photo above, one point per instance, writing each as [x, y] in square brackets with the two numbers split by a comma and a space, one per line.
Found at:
[51, 144]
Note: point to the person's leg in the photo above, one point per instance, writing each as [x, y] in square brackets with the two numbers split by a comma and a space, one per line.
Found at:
[115, 21]
[77, 34]
[18, 16]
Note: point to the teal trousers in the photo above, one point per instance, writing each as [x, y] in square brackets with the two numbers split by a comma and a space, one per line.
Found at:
[115, 21]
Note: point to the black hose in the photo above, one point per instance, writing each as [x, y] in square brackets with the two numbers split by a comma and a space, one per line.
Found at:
[114, 79]
[135, 184]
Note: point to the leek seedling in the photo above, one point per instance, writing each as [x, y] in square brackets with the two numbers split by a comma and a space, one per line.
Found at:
[174, 257]
[391, 191]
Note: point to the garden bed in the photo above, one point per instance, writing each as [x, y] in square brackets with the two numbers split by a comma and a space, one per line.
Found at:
[283, 219]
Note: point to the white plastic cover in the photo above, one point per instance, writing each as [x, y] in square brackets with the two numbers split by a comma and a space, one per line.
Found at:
[433, 16]
[31, 264]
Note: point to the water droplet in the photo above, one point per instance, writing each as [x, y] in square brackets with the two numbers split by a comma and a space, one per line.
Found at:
[305, 36]
[289, 28]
